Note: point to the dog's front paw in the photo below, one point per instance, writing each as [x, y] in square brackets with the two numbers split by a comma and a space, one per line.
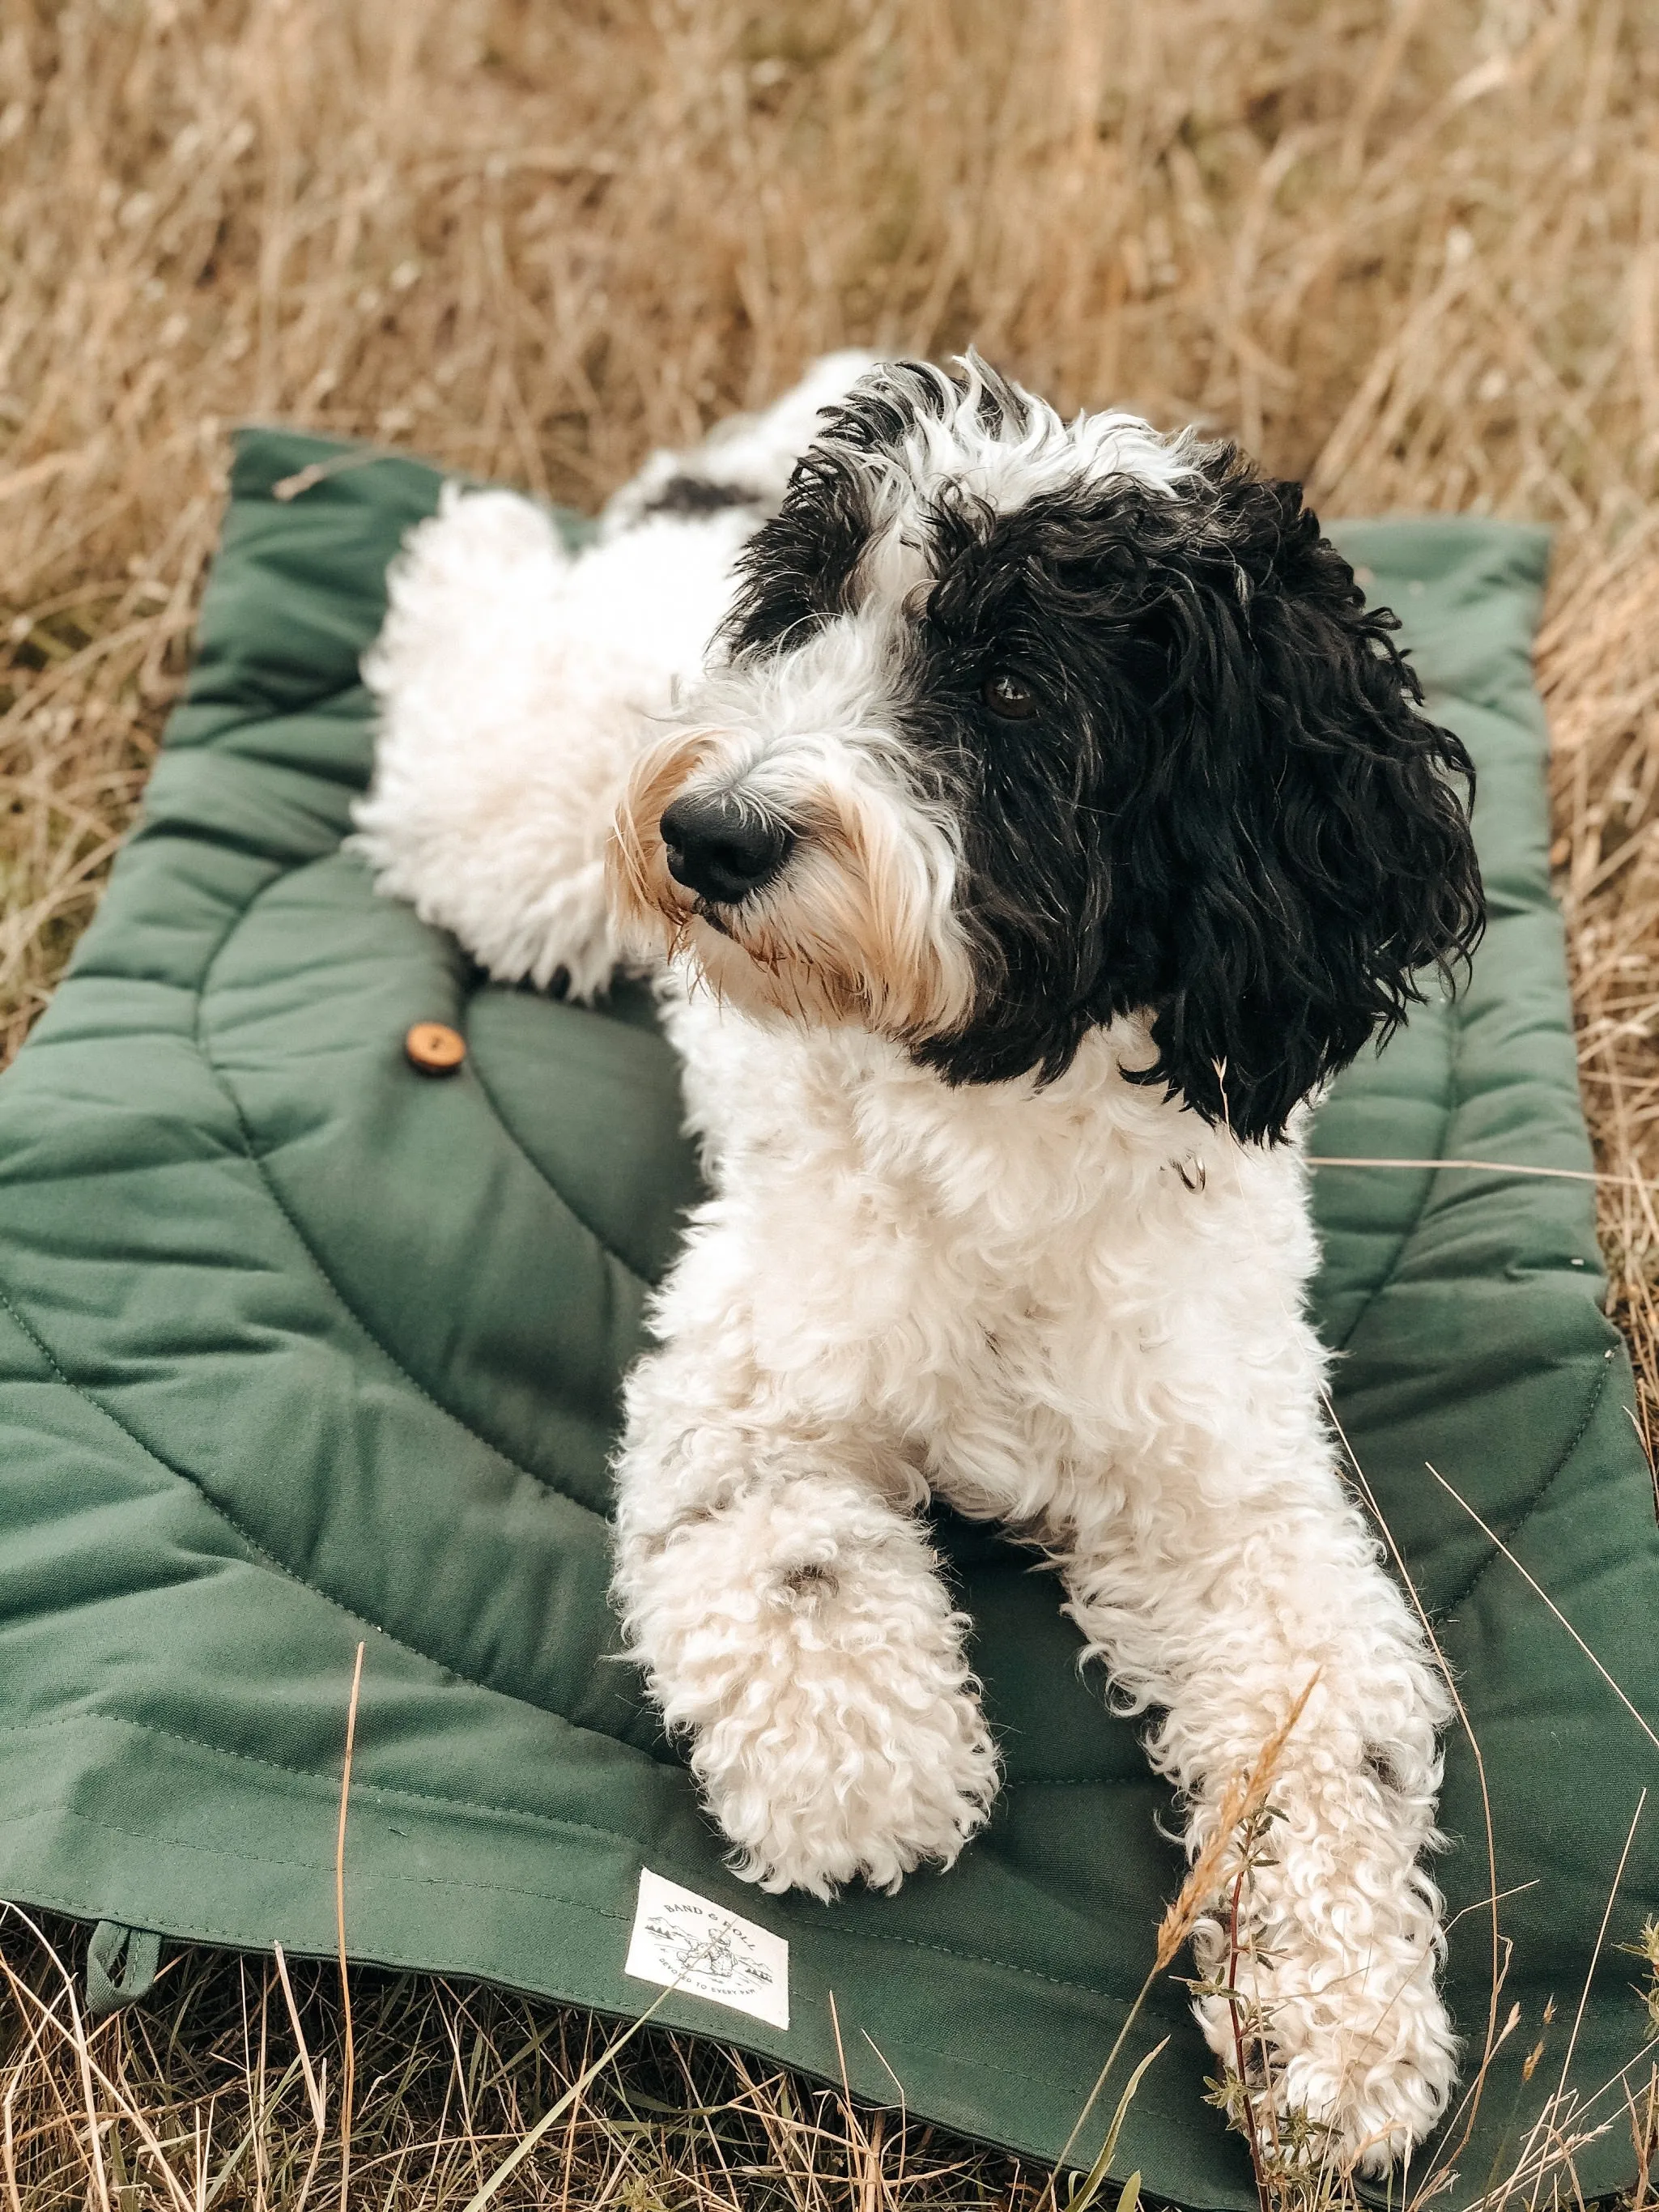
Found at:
[1358, 2046]
[805, 1641]
[863, 1767]
[1325, 1986]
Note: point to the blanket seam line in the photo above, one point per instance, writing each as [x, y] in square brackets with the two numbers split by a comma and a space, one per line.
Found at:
[259, 1858]
[1390, 1274]
[987, 1959]
[645, 1282]
[390, 1791]
[354, 1614]
[1535, 1501]
[257, 1162]
[858, 1935]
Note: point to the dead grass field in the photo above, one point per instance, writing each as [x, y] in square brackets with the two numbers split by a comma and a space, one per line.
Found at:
[1408, 252]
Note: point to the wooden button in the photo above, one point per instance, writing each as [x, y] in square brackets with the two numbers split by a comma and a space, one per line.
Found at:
[434, 1048]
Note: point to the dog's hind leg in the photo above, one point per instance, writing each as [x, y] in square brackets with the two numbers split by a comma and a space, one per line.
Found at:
[516, 685]
[746, 461]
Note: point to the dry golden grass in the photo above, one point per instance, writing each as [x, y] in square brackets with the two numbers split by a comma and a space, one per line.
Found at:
[219, 2093]
[1408, 252]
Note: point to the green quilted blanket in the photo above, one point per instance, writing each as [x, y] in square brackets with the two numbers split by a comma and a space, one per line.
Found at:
[299, 1348]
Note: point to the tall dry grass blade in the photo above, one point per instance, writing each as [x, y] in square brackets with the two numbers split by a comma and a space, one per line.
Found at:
[349, 2069]
[1241, 1801]
[532, 2135]
[1468, 2111]
[39, 2015]
[315, 2088]
[8, 2137]
[316, 2082]
[95, 2130]
[1543, 1596]
[1601, 1941]
[1491, 1167]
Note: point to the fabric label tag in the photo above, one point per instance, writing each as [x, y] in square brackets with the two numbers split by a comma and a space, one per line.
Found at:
[683, 1939]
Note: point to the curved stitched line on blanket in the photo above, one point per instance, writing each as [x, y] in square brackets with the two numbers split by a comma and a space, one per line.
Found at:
[546, 1181]
[1392, 1270]
[282, 875]
[237, 711]
[362, 1619]
[309, 1248]
[353, 1613]
[1462, 1596]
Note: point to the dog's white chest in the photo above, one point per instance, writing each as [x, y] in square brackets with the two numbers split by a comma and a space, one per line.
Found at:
[1002, 1281]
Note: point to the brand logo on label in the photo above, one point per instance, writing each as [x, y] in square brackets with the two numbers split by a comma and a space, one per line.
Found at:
[690, 1943]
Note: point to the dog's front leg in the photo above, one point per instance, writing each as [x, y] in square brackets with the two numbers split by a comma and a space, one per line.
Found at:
[1220, 1595]
[792, 1623]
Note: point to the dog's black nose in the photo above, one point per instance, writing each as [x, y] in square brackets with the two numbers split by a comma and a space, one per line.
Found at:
[720, 848]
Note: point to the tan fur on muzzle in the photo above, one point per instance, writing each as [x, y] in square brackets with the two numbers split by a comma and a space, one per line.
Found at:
[849, 931]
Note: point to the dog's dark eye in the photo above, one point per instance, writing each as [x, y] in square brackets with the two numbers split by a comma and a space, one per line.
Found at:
[1004, 695]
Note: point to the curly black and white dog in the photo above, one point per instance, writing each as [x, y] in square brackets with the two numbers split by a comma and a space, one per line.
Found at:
[1048, 821]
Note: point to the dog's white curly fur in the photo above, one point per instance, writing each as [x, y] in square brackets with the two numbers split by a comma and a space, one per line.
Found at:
[1074, 1309]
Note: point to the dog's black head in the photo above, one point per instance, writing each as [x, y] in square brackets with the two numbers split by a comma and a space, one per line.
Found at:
[1123, 685]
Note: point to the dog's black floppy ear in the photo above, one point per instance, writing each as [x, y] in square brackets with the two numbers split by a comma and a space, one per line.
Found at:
[1312, 844]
